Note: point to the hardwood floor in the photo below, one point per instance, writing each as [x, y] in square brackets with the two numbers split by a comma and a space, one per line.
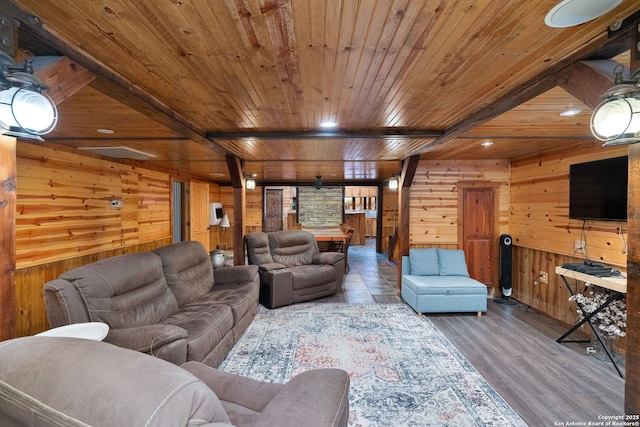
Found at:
[513, 347]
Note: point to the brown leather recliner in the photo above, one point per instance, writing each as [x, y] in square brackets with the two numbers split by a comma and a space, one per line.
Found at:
[47, 381]
[291, 267]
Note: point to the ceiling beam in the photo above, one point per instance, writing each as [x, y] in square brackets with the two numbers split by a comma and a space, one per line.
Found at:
[127, 92]
[63, 77]
[236, 171]
[587, 80]
[322, 134]
[613, 42]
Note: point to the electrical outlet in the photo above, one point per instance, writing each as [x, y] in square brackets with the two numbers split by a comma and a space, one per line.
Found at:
[544, 278]
[579, 245]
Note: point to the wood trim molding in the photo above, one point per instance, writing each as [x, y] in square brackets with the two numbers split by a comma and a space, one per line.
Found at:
[8, 171]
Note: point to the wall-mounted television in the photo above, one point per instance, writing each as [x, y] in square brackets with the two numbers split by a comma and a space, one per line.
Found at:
[598, 189]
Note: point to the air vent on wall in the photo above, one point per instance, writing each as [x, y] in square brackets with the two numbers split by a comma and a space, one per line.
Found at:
[119, 152]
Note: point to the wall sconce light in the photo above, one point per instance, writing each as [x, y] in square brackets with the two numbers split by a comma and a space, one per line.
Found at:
[26, 111]
[393, 183]
[250, 183]
[617, 119]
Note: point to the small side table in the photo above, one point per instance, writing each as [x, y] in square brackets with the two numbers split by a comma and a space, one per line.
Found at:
[91, 331]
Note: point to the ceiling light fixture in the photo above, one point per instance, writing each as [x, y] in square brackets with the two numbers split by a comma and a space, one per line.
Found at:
[25, 110]
[569, 13]
[328, 124]
[617, 119]
[487, 143]
[572, 112]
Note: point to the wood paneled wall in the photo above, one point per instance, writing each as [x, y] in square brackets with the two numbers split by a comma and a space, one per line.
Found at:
[253, 211]
[434, 198]
[551, 298]
[64, 219]
[31, 313]
[63, 205]
[544, 236]
[540, 209]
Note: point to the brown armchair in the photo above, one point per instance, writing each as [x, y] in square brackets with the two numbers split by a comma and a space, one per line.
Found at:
[291, 267]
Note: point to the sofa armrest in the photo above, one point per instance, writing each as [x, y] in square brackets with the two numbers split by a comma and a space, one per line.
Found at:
[63, 303]
[328, 258]
[237, 274]
[167, 342]
[272, 266]
[317, 398]
[251, 394]
[406, 266]
[276, 287]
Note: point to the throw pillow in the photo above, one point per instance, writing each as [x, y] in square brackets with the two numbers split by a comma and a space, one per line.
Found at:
[452, 262]
[424, 262]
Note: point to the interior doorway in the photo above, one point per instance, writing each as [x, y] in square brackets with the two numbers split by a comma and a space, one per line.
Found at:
[273, 201]
[477, 210]
[178, 212]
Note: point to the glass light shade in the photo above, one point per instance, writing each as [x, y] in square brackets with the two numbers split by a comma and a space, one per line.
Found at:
[24, 109]
[224, 223]
[393, 183]
[250, 184]
[617, 121]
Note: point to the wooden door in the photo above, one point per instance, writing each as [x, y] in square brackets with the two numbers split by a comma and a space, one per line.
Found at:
[199, 212]
[273, 210]
[478, 219]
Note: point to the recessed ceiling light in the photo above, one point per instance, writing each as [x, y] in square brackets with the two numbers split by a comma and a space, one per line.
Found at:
[389, 158]
[328, 124]
[572, 112]
[569, 13]
[217, 174]
[487, 143]
[105, 131]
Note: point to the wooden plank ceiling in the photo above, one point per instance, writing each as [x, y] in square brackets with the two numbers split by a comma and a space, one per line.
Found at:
[184, 80]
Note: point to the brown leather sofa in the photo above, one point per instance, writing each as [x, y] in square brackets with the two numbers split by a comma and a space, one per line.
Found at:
[47, 381]
[291, 267]
[169, 303]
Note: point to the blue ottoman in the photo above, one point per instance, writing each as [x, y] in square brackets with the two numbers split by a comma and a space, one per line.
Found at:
[437, 281]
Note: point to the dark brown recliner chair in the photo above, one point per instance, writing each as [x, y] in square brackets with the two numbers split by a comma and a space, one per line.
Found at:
[291, 267]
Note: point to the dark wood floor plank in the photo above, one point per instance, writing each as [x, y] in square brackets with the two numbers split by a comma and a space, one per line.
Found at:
[544, 381]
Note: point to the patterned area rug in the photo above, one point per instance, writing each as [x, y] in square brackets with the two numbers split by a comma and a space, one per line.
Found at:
[403, 370]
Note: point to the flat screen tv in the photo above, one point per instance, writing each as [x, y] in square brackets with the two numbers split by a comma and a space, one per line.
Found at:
[598, 190]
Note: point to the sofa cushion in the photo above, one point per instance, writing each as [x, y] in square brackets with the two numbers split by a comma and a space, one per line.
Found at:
[124, 291]
[306, 276]
[452, 262]
[424, 262]
[240, 297]
[444, 285]
[188, 270]
[258, 250]
[205, 328]
[293, 247]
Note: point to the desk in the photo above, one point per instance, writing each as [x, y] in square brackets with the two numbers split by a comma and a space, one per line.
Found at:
[327, 234]
[332, 235]
[616, 284]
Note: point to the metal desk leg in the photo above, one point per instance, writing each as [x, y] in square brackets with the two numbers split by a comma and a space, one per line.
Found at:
[587, 319]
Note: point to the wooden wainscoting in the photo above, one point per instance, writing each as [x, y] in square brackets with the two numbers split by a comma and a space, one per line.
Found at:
[551, 298]
[31, 314]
